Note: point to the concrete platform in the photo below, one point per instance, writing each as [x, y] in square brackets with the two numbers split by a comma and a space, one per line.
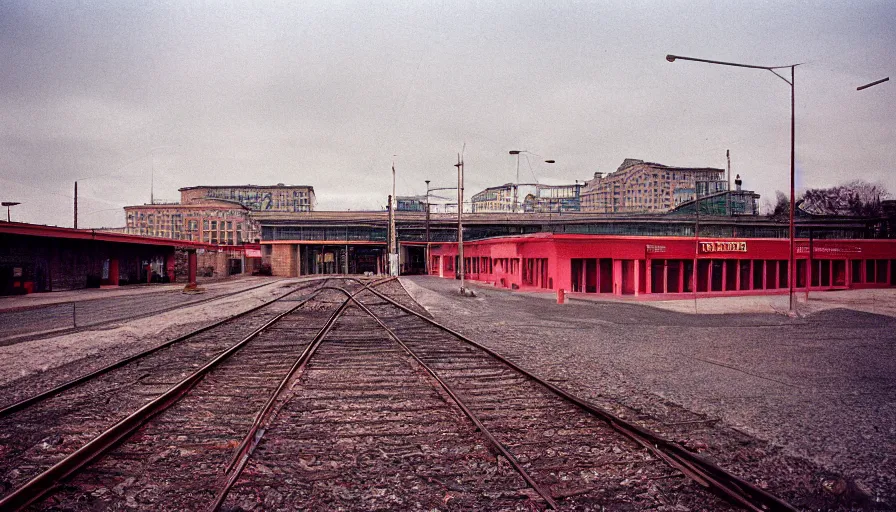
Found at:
[43, 299]
[820, 388]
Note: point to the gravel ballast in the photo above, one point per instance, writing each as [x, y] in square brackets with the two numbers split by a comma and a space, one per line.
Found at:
[803, 407]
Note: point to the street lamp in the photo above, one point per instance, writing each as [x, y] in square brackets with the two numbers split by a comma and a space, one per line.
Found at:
[460, 222]
[516, 188]
[8, 205]
[792, 270]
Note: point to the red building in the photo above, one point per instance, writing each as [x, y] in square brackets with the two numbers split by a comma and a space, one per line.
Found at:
[647, 265]
[35, 258]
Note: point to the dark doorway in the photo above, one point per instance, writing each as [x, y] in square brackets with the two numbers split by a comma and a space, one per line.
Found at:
[416, 262]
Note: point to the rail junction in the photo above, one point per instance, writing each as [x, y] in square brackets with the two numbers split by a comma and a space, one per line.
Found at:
[340, 393]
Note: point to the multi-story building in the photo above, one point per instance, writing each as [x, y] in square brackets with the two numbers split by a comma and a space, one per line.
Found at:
[554, 198]
[259, 198]
[411, 203]
[213, 221]
[722, 202]
[638, 186]
[530, 197]
[494, 199]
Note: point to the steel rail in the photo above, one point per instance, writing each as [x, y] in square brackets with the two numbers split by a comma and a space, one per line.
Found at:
[39, 486]
[27, 402]
[52, 333]
[545, 494]
[256, 432]
[692, 465]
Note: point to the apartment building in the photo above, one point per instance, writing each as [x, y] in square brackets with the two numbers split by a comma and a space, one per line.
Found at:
[647, 187]
[213, 221]
[529, 197]
[259, 198]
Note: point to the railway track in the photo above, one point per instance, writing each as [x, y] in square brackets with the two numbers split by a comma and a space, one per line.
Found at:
[356, 399]
[48, 430]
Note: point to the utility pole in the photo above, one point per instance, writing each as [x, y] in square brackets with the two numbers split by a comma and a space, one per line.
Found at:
[426, 252]
[728, 195]
[76, 205]
[389, 238]
[516, 186]
[393, 245]
[460, 222]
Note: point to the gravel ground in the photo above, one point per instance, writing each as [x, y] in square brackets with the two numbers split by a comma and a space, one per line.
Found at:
[804, 407]
[28, 365]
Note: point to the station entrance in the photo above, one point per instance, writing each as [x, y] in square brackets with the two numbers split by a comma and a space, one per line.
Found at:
[413, 259]
[341, 259]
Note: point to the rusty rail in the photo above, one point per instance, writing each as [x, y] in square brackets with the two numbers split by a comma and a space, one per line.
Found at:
[27, 402]
[39, 486]
[256, 432]
[546, 495]
[692, 465]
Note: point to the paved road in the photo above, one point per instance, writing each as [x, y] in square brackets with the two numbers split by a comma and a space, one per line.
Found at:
[822, 387]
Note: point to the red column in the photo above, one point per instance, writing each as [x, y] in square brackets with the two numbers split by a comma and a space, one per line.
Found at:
[724, 275]
[637, 277]
[169, 267]
[665, 276]
[191, 268]
[648, 276]
[617, 277]
[113, 271]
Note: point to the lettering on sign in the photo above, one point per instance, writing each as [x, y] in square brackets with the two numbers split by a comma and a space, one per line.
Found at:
[826, 249]
[719, 246]
[656, 248]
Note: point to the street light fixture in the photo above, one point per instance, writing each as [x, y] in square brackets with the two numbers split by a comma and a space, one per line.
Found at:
[8, 205]
[792, 271]
[516, 187]
[882, 80]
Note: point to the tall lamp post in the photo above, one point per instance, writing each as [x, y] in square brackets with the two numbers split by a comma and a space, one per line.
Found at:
[460, 222]
[8, 205]
[516, 186]
[791, 278]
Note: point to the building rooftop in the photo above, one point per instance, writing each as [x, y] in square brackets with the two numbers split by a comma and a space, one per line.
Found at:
[203, 203]
[278, 185]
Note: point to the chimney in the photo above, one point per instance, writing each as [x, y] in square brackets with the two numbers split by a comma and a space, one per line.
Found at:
[737, 182]
[598, 175]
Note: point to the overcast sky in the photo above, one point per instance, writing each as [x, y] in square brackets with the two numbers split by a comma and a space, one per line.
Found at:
[326, 93]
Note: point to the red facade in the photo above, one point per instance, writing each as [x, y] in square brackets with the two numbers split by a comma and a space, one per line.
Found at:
[623, 265]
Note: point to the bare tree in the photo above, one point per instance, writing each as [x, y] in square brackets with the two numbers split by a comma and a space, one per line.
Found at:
[857, 198]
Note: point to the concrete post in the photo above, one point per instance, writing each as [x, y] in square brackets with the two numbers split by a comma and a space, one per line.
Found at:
[191, 268]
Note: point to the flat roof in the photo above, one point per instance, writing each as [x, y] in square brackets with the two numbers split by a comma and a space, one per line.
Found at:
[208, 204]
[246, 186]
[39, 230]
